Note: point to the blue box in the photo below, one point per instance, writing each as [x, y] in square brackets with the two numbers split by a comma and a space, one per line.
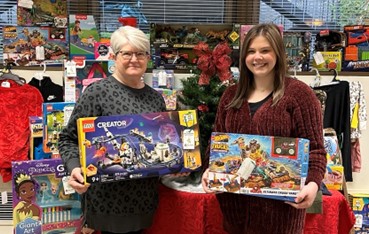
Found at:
[125, 147]
[267, 166]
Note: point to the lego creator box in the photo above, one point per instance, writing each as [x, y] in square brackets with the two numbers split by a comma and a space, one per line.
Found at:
[42, 200]
[360, 206]
[125, 147]
[330, 60]
[55, 117]
[271, 167]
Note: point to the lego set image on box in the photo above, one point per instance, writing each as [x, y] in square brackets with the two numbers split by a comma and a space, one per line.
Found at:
[272, 167]
[42, 200]
[134, 146]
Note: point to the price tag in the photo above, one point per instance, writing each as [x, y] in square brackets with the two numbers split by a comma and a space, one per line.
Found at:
[4, 197]
[67, 188]
[318, 57]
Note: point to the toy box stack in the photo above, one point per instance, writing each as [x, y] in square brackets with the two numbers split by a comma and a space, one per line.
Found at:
[360, 206]
[125, 147]
[271, 167]
[55, 117]
[42, 200]
[356, 56]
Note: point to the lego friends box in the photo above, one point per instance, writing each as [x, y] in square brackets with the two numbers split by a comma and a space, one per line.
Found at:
[124, 147]
[271, 167]
[42, 200]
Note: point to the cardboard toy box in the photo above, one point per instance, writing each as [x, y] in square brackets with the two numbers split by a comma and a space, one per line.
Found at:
[333, 177]
[36, 146]
[356, 53]
[21, 44]
[42, 13]
[334, 174]
[55, 117]
[271, 167]
[83, 36]
[360, 206]
[125, 147]
[332, 60]
[42, 200]
[170, 98]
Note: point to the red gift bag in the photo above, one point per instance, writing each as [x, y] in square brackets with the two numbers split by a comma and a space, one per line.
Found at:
[96, 67]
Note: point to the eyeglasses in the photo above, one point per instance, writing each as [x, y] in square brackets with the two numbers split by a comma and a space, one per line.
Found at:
[127, 55]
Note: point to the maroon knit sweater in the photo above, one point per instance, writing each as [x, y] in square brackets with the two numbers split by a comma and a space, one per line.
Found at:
[297, 114]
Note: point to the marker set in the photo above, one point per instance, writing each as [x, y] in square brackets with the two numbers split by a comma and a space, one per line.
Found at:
[56, 214]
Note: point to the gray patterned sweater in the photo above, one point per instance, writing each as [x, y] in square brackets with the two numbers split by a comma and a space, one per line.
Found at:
[125, 205]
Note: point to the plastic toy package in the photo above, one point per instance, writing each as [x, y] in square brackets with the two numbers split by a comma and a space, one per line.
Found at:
[125, 147]
[42, 200]
[271, 167]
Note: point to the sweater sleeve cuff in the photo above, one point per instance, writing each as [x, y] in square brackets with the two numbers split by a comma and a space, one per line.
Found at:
[73, 163]
[314, 177]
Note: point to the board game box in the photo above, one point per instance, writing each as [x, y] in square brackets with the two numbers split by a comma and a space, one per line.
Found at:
[134, 146]
[271, 167]
[42, 200]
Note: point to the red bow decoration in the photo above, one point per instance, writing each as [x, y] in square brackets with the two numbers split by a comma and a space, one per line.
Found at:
[213, 62]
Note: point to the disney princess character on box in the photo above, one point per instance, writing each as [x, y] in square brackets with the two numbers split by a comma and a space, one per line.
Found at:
[25, 188]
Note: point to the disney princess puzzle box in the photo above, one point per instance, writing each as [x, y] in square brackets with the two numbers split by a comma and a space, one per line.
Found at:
[266, 166]
[134, 146]
[43, 203]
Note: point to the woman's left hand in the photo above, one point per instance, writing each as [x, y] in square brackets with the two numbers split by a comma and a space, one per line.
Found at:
[306, 196]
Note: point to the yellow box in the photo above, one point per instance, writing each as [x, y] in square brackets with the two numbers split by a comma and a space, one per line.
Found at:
[333, 177]
[332, 60]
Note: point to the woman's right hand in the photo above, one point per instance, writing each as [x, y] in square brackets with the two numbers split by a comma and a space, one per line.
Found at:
[76, 181]
[205, 182]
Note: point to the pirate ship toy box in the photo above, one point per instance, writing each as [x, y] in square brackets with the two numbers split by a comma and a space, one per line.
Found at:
[55, 117]
[134, 146]
[42, 200]
[271, 167]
